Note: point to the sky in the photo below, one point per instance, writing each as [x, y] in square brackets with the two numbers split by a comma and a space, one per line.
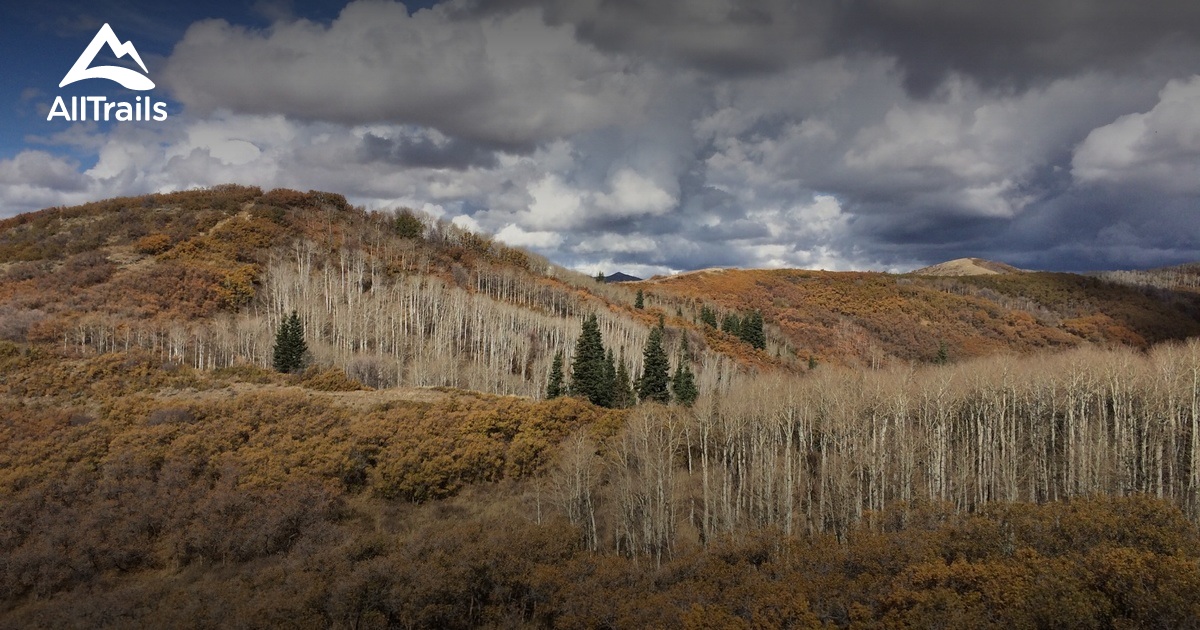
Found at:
[621, 135]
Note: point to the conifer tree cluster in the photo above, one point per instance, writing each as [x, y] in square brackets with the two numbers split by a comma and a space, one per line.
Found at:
[639, 302]
[595, 372]
[708, 316]
[604, 380]
[748, 328]
[290, 348]
[732, 324]
[751, 331]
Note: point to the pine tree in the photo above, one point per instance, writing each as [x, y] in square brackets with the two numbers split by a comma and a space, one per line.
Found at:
[408, 225]
[943, 353]
[290, 348]
[751, 331]
[600, 277]
[654, 385]
[588, 367]
[639, 302]
[683, 384]
[732, 324]
[622, 394]
[708, 316]
[610, 380]
[554, 387]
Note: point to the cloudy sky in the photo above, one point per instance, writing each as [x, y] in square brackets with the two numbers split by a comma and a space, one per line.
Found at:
[649, 137]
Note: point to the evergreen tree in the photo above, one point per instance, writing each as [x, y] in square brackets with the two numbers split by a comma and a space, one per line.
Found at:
[683, 384]
[708, 316]
[812, 362]
[654, 385]
[588, 368]
[600, 277]
[639, 302]
[943, 354]
[554, 387]
[751, 331]
[408, 225]
[290, 348]
[622, 394]
[610, 380]
[732, 324]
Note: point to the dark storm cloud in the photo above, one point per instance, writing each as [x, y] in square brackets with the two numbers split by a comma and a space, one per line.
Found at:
[1006, 45]
[724, 38]
[693, 133]
[1015, 43]
[504, 80]
[423, 152]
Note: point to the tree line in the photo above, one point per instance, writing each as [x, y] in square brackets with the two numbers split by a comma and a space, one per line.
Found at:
[823, 452]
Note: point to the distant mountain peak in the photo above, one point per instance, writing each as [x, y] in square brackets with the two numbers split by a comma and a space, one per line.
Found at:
[621, 277]
[968, 267]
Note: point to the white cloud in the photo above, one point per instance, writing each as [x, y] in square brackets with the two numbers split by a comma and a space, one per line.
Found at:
[466, 222]
[633, 195]
[1159, 148]
[39, 169]
[554, 204]
[514, 235]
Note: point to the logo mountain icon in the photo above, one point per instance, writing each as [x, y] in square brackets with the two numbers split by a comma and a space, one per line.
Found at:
[126, 77]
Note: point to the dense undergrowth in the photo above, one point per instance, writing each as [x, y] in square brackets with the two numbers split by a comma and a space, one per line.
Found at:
[140, 494]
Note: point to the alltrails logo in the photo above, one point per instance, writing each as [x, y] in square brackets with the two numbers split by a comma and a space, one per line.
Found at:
[101, 109]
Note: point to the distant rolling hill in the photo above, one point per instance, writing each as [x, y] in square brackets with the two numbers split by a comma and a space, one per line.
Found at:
[967, 267]
[865, 317]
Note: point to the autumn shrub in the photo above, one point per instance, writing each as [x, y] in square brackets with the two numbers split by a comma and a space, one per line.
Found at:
[15, 323]
[153, 244]
[330, 380]
[284, 197]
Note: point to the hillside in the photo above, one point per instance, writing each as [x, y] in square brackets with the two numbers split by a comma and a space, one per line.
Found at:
[1005, 450]
[866, 317]
[203, 277]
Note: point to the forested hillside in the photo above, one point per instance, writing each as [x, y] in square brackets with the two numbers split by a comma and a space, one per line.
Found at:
[828, 450]
[205, 277]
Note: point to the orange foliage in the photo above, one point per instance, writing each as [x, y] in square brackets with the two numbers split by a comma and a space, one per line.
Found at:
[849, 316]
